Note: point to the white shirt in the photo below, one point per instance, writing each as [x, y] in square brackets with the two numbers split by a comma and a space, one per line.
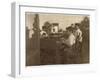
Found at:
[43, 32]
[78, 32]
[70, 40]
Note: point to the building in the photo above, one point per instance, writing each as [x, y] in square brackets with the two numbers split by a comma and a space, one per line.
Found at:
[55, 28]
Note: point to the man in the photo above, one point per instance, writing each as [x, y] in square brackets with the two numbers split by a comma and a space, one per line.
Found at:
[70, 41]
[67, 52]
[43, 34]
[78, 45]
[77, 32]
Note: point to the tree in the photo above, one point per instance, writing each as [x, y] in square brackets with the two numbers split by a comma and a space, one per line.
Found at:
[85, 24]
[47, 27]
[36, 23]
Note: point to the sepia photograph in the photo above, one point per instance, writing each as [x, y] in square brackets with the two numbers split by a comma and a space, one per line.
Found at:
[56, 39]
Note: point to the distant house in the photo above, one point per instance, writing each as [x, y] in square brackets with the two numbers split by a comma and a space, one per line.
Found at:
[55, 28]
